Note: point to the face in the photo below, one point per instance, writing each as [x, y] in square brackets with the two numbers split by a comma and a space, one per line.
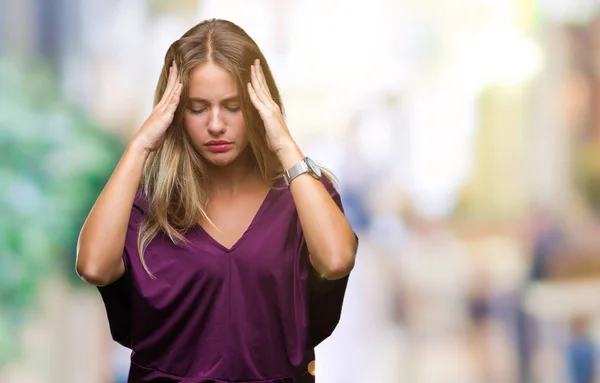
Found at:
[214, 119]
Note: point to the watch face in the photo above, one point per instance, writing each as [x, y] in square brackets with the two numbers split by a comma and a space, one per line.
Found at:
[314, 168]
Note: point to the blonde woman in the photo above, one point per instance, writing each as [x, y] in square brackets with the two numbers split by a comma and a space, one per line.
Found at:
[220, 251]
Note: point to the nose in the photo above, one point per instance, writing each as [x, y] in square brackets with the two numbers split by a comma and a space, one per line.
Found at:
[216, 126]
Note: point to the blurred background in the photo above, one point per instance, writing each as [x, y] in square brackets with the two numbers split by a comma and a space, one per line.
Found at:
[465, 135]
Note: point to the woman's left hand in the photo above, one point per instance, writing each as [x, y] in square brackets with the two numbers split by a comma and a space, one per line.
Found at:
[278, 134]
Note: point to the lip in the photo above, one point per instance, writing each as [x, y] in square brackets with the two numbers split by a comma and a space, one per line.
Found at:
[218, 146]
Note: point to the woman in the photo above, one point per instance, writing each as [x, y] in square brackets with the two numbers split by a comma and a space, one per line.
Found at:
[211, 267]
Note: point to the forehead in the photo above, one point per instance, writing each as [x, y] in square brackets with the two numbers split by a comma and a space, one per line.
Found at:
[211, 82]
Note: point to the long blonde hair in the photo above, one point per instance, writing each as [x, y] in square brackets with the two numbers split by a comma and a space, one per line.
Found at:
[174, 178]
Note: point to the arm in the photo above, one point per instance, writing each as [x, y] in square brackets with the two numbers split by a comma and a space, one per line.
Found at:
[102, 237]
[330, 240]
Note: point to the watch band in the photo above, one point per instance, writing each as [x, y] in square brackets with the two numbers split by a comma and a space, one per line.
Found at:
[299, 168]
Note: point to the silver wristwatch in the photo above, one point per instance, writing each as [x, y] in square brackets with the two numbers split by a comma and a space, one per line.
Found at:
[306, 165]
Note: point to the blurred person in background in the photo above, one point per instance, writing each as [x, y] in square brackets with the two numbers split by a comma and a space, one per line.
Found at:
[220, 251]
[545, 235]
[581, 352]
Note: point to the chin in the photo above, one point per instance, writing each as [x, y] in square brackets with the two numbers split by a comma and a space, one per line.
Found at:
[220, 159]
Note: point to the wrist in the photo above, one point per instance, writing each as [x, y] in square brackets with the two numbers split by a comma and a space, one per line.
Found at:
[137, 147]
[289, 154]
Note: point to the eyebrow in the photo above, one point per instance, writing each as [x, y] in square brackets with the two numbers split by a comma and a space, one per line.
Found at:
[223, 101]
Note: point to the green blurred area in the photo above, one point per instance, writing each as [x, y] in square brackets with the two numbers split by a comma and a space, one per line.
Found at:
[54, 162]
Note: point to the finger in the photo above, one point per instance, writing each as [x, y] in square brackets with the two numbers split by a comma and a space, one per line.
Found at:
[263, 79]
[263, 85]
[254, 98]
[173, 75]
[171, 83]
[258, 89]
[260, 76]
[172, 107]
[175, 94]
[164, 95]
[173, 89]
[255, 86]
[172, 92]
[166, 91]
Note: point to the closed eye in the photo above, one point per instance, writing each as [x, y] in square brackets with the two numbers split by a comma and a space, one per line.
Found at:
[198, 111]
[232, 109]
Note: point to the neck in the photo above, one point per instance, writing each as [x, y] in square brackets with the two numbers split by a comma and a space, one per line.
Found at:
[238, 175]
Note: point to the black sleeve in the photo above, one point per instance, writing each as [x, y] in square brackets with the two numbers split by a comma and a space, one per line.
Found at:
[117, 295]
[326, 297]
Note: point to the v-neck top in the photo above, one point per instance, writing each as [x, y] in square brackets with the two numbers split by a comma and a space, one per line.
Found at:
[256, 217]
[250, 313]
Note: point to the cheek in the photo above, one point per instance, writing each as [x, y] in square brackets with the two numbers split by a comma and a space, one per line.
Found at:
[194, 126]
[240, 125]
[191, 121]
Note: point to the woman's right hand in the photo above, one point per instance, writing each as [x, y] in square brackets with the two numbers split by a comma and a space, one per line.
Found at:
[153, 130]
